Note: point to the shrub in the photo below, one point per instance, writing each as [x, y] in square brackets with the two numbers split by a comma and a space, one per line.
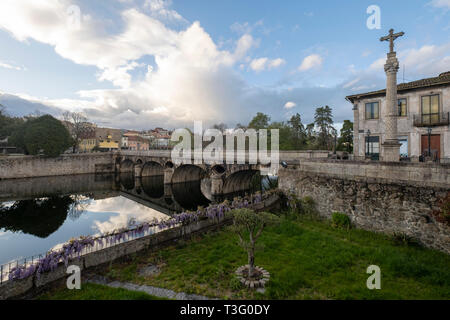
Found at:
[308, 206]
[404, 239]
[340, 220]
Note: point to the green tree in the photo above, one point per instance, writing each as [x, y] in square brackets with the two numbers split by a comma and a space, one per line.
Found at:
[45, 134]
[297, 132]
[310, 136]
[323, 120]
[8, 124]
[285, 135]
[260, 121]
[345, 142]
[249, 225]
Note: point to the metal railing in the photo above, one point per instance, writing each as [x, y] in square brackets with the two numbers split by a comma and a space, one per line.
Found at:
[432, 119]
[100, 243]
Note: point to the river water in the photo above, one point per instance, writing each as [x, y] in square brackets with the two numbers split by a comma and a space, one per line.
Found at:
[40, 213]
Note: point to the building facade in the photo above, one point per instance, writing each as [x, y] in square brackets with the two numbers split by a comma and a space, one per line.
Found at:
[423, 120]
[108, 139]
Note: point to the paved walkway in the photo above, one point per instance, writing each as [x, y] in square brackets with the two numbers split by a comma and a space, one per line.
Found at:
[154, 291]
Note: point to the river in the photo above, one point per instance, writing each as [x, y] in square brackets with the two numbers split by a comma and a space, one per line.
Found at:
[40, 213]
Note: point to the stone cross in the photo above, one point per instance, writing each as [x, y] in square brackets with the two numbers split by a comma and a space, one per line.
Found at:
[391, 37]
[391, 146]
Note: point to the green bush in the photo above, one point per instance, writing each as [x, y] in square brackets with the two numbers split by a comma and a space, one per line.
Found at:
[43, 134]
[404, 239]
[340, 220]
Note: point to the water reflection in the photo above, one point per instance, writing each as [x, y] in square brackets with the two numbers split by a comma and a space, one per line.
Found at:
[38, 217]
[37, 214]
[153, 186]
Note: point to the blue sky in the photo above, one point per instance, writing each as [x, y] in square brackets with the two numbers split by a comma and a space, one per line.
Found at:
[144, 63]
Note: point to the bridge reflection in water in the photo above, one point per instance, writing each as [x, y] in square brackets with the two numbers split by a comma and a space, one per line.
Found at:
[37, 214]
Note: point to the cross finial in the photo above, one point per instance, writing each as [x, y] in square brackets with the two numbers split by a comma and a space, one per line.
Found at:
[391, 37]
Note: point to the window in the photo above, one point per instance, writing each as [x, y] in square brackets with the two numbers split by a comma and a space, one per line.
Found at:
[402, 107]
[373, 147]
[372, 110]
[404, 146]
[430, 109]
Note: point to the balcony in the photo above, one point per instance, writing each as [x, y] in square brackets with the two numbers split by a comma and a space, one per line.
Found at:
[432, 119]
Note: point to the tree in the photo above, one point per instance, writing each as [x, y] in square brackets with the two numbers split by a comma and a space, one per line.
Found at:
[310, 135]
[220, 126]
[8, 124]
[249, 225]
[298, 131]
[345, 142]
[285, 134]
[323, 120]
[45, 134]
[260, 121]
[77, 124]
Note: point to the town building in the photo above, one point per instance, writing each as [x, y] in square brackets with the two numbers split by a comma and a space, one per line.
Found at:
[88, 140]
[423, 120]
[108, 139]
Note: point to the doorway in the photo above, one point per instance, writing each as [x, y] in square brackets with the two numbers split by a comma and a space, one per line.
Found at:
[435, 145]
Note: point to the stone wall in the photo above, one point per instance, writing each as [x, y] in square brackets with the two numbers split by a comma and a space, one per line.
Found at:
[378, 197]
[69, 164]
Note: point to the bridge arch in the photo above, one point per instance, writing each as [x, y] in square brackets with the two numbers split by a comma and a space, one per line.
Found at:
[152, 169]
[239, 181]
[169, 165]
[188, 173]
[218, 169]
[127, 165]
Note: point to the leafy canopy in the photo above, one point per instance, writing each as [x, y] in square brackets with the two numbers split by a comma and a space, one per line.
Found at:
[45, 134]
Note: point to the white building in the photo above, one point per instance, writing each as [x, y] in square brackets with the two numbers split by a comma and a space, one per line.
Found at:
[423, 106]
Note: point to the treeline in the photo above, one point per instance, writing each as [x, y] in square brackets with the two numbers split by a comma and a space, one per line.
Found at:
[35, 134]
[294, 135]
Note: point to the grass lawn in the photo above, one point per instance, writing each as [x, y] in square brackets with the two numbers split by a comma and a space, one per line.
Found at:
[90, 291]
[307, 259]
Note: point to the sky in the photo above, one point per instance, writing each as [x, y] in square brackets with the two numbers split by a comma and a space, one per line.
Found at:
[139, 64]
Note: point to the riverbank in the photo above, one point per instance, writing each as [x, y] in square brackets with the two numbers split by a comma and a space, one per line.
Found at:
[307, 259]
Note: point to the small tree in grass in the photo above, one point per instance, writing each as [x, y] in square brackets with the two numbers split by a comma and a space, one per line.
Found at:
[249, 225]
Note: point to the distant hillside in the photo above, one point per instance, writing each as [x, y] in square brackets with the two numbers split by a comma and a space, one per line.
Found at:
[18, 107]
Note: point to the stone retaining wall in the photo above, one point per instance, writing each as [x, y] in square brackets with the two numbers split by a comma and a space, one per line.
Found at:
[380, 197]
[68, 164]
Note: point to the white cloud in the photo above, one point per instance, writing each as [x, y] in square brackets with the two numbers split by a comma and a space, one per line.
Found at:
[440, 3]
[161, 9]
[192, 78]
[311, 61]
[290, 105]
[11, 67]
[426, 61]
[262, 64]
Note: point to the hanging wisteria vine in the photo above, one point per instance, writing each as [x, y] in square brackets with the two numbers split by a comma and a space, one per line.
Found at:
[74, 248]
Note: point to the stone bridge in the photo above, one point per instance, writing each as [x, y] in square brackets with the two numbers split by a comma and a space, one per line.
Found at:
[216, 179]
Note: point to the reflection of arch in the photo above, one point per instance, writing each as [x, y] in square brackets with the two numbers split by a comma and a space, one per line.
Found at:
[127, 180]
[153, 186]
[127, 166]
[151, 169]
[239, 181]
[40, 218]
[187, 173]
[188, 195]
